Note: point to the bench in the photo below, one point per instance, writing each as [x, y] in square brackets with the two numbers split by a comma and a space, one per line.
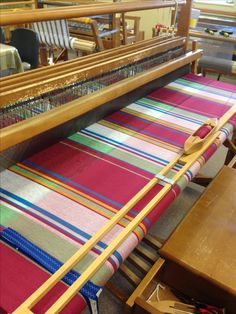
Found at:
[199, 258]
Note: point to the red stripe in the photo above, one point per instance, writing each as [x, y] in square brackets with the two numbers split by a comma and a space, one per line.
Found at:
[20, 278]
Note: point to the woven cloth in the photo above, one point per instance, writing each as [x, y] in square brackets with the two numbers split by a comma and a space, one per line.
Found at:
[15, 270]
[54, 33]
[61, 196]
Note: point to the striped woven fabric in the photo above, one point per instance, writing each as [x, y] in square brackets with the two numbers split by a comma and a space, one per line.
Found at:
[54, 33]
[61, 196]
[15, 270]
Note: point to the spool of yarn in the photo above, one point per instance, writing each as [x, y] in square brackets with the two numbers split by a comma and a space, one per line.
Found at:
[203, 131]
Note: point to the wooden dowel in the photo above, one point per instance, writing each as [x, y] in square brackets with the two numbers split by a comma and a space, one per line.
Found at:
[84, 45]
[219, 12]
[80, 11]
[27, 129]
[231, 39]
[16, 3]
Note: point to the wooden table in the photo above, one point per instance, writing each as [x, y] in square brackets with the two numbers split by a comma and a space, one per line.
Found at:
[10, 61]
[201, 252]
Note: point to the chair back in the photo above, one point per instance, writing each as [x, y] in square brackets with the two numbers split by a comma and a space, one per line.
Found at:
[27, 43]
[54, 33]
[2, 36]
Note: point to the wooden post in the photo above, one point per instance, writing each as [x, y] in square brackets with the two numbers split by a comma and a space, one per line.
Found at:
[194, 63]
[184, 20]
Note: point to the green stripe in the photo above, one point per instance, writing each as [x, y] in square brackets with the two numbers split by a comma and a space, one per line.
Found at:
[176, 110]
[116, 153]
[7, 215]
[61, 189]
[208, 88]
[138, 135]
[156, 120]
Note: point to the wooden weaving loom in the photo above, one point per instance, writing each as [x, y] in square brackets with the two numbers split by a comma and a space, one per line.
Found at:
[46, 104]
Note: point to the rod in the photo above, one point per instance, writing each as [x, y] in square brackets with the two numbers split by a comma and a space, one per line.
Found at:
[37, 15]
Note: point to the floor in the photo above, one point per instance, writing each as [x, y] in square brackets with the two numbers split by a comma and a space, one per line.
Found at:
[108, 304]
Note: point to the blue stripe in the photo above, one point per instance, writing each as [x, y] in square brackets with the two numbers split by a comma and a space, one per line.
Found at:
[150, 134]
[50, 263]
[57, 219]
[119, 144]
[170, 113]
[27, 162]
[72, 182]
[204, 88]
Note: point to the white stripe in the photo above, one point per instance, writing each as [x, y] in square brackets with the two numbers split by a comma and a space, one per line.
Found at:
[203, 93]
[164, 116]
[143, 146]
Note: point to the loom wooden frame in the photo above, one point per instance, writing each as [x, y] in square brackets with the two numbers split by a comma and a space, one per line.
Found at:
[20, 90]
[13, 89]
[24, 130]
[69, 111]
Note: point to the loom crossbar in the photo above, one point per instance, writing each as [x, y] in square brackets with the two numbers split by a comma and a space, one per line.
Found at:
[12, 18]
[93, 267]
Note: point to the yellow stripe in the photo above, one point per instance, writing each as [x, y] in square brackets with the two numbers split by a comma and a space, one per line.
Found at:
[71, 197]
[161, 122]
[140, 136]
[225, 102]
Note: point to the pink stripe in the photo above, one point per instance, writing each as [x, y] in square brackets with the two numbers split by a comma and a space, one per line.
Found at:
[150, 129]
[213, 83]
[111, 159]
[112, 182]
[20, 278]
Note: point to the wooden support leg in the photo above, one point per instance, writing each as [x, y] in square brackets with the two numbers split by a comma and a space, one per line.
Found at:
[202, 180]
[194, 63]
[231, 145]
[63, 55]
[43, 55]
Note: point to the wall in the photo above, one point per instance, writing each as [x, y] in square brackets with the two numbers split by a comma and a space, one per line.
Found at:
[228, 8]
[149, 18]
